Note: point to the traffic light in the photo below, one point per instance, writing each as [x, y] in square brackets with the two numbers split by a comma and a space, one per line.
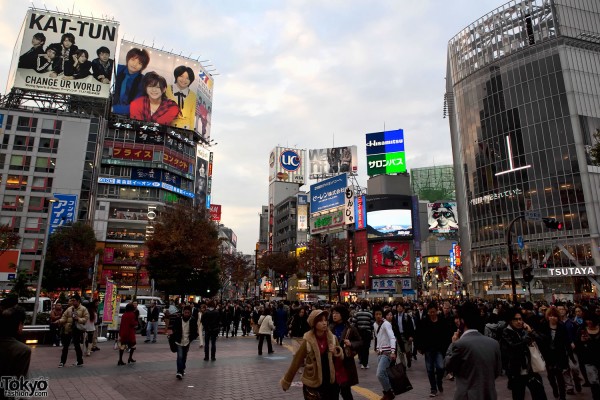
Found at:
[315, 280]
[528, 274]
[552, 223]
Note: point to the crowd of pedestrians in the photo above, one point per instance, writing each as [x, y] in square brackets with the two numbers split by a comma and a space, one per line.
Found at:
[537, 346]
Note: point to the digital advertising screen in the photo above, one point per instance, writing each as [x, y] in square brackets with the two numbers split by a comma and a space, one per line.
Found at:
[68, 54]
[390, 258]
[157, 86]
[389, 216]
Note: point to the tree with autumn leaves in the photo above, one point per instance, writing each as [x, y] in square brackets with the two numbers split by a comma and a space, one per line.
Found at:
[9, 239]
[315, 259]
[183, 253]
[236, 273]
[70, 257]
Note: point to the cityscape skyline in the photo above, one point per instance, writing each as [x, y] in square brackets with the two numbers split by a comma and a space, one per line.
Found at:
[287, 68]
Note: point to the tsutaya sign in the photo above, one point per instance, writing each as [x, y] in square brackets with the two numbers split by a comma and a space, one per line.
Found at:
[572, 271]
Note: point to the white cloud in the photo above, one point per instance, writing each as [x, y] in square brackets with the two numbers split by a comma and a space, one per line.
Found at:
[297, 73]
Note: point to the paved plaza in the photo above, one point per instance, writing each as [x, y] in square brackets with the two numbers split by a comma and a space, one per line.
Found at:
[237, 374]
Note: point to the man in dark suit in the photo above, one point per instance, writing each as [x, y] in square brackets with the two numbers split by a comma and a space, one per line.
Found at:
[14, 355]
[474, 359]
[406, 329]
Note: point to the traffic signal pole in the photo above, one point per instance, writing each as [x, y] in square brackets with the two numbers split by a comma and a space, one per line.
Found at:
[513, 281]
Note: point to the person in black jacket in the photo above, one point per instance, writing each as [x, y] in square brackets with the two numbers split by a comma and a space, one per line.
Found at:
[363, 320]
[29, 59]
[434, 337]
[516, 338]
[185, 331]
[152, 322]
[210, 323]
[556, 349]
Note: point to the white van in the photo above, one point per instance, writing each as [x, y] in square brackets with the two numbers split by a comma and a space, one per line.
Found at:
[44, 305]
[147, 301]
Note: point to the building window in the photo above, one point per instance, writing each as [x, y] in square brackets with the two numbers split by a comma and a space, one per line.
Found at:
[24, 143]
[9, 120]
[33, 224]
[16, 182]
[27, 124]
[18, 162]
[45, 164]
[36, 203]
[51, 126]
[29, 245]
[2, 160]
[41, 184]
[5, 140]
[12, 202]
[48, 145]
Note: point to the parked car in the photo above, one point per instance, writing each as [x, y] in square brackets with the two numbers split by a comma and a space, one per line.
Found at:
[143, 320]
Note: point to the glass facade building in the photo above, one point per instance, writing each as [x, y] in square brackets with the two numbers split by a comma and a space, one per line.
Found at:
[523, 96]
[433, 183]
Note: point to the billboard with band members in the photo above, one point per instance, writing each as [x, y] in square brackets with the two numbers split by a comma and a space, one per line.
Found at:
[157, 86]
[63, 53]
[332, 161]
[390, 258]
[442, 217]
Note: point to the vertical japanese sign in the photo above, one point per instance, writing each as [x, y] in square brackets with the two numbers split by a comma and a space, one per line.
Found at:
[349, 206]
[63, 211]
[360, 212]
[107, 315]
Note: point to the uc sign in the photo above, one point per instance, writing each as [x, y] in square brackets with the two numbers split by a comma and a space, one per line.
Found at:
[290, 160]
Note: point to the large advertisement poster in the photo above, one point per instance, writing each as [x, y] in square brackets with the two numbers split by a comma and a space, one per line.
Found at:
[332, 161]
[63, 53]
[442, 217]
[156, 86]
[390, 258]
[385, 153]
[328, 194]
[287, 165]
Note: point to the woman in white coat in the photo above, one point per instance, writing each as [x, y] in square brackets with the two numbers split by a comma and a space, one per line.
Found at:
[266, 327]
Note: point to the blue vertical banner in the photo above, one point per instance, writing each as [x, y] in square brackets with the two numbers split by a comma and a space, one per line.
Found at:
[63, 211]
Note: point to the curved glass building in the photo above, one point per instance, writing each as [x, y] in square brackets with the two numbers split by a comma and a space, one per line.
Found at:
[523, 97]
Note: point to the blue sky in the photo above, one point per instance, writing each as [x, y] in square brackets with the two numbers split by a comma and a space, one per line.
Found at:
[298, 73]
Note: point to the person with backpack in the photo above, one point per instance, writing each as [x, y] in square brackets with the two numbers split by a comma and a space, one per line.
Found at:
[363, 321]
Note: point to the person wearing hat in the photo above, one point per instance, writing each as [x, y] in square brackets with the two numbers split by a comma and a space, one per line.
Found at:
[317, 350]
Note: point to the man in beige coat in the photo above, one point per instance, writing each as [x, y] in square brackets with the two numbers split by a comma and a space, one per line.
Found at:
[73, 316]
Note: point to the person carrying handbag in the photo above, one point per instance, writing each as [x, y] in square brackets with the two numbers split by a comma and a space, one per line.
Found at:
[350, 341]
[517, 345]
[266, 327]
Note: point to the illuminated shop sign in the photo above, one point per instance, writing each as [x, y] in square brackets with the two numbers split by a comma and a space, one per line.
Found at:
[572, 271]
[495, 196]
[139, 183]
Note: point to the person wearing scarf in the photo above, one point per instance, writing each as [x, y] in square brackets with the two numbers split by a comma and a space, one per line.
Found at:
[128, 80]
[153, 105]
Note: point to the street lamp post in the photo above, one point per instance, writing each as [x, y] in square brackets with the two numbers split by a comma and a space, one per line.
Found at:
[42, 263]
[138, 266]
[513, 282]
